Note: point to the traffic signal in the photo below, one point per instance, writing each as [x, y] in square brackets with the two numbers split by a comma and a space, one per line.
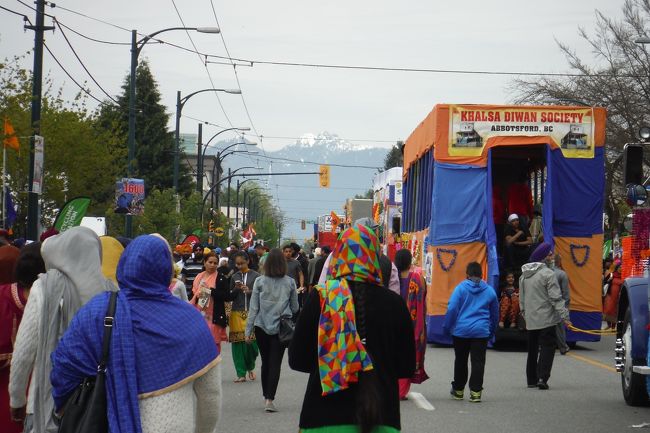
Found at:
[633, 164]
[303, 225]
[324, 176]
[210, 226]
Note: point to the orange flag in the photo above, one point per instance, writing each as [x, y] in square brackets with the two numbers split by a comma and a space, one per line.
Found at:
[335, 221]
[10, 140]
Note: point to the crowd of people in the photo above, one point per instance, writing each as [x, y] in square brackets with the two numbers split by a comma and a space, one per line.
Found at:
[347, 310]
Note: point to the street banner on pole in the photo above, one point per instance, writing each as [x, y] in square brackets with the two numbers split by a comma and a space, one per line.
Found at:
[129, 196]
[37, 182]
[10, 210]
[71, 213]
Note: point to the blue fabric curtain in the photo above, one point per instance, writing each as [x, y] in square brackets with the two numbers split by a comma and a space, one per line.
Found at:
[458, 213]
[576, 194]
[490, 233]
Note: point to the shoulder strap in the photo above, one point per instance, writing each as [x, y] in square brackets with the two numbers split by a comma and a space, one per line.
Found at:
[108, 330]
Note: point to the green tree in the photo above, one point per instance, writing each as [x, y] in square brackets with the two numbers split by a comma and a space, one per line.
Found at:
[618, 81]
[154, 144]
[79, 159]
[368, 194]
[395, 156]
[160, 216]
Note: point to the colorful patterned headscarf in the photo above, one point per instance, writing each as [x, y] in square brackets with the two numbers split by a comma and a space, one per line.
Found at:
[341, 354]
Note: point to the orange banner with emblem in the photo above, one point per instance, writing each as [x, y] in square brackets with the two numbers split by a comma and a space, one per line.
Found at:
[581, 260]
[449, 265]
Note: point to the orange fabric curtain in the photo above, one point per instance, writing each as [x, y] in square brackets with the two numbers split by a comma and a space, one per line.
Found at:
[449, 265]
[582, 261]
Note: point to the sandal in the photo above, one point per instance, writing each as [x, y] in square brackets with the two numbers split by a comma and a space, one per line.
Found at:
[251, 375]
[240, 380]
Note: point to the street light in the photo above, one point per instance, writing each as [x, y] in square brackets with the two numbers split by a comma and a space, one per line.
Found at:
[216, 184]
[244, 213]
[230, 173]
[239, 185]
[201, 153]
[220, 156]
[180, 103]
[136, 48]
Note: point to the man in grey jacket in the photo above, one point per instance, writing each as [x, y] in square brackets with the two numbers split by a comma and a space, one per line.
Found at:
[563, 281]
[543, 308]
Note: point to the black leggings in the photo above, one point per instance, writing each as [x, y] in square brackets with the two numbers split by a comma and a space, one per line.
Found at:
[272, 352]
[463, 348]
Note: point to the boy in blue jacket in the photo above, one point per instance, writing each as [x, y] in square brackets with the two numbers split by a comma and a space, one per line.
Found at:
[471, 319]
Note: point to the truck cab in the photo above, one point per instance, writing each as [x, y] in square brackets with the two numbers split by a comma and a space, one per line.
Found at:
[633, 318]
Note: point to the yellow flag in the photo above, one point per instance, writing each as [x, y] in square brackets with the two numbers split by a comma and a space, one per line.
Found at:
[10, 140]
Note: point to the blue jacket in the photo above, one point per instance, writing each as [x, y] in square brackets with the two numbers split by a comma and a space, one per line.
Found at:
[472, 311]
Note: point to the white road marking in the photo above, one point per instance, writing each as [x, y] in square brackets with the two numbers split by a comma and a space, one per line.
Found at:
[420, 401]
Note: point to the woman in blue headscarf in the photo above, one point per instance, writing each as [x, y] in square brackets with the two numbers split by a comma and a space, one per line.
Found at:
[154, 364]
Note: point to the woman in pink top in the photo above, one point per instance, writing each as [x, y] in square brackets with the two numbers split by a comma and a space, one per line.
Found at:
[202, 299]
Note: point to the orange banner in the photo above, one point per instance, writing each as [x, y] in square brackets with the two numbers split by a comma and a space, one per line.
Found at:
[449, 265]
[581, 260]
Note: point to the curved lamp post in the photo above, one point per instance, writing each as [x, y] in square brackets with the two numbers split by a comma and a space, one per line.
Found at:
[136, 48]
[180, 103]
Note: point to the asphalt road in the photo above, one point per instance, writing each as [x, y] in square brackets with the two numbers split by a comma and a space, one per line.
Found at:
[585, 396]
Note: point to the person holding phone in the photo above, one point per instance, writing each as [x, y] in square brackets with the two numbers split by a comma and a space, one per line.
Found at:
[241, 288]
[202, 300]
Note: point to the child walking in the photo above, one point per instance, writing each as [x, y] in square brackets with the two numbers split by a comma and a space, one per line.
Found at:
[471, 319]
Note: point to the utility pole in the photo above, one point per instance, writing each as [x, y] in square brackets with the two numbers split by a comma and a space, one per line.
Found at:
[177, 134]
[39, 30]
[199, 161]
[228, 192]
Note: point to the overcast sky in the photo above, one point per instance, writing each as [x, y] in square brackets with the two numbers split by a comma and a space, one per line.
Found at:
[507, 35]
[382, 107]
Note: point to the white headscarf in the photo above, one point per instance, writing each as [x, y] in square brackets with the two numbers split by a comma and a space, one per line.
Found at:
[73, 261]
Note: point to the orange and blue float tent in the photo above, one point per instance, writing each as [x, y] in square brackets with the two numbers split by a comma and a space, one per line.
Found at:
[448, 197]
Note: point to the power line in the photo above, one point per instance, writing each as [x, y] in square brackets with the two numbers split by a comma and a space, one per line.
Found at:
[205, 122]
[83, 89]
[252, 62]
[33, 8]
[234, 68]
[101, 41]
[424, 70]
[82, 63]
[318, 187]
[81, 14]
[277, 158]
[369, 140]
[196, 50]
[14, 12]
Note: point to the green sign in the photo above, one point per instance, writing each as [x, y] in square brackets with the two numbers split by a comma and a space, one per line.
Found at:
[71, 213]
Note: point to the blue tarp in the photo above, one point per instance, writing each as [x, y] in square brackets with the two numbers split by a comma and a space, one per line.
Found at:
[576, 194]
[458, 212]
[490, 234]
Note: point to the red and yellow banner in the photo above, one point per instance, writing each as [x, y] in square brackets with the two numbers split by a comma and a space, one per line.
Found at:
[470, 127]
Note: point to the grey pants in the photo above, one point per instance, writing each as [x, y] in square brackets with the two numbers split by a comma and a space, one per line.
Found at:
[560, 332]
[28, 426]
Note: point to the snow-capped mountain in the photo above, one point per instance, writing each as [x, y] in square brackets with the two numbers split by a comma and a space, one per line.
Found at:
[352, 169]
[328, 141]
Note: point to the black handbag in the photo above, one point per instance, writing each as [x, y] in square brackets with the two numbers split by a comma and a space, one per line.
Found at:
[287, 327]
[86, 409]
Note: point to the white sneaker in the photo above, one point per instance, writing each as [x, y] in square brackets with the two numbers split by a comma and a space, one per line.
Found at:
[270, 407]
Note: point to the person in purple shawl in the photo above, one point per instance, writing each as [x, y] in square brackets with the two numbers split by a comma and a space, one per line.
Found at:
[154, 363]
